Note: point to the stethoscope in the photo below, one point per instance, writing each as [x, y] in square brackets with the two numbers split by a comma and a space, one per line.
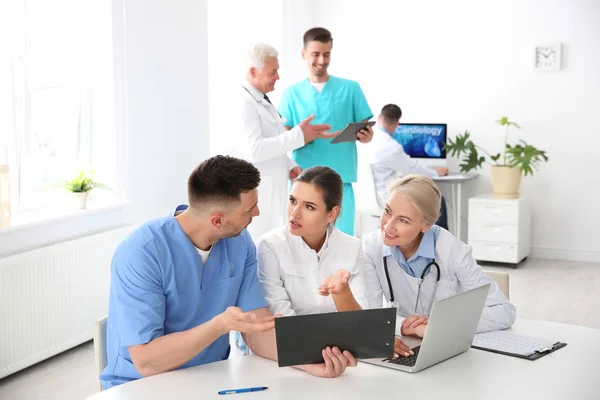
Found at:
[260, 101]
[427, 269]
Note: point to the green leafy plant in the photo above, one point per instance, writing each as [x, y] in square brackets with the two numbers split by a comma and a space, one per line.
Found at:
[82, 182]
[523, 155]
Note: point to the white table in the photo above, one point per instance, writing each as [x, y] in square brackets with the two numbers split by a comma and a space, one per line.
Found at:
[456, 182]
[569, 373]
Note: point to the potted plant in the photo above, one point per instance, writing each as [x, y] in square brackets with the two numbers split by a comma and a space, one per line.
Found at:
[81, 185]
[506, 167]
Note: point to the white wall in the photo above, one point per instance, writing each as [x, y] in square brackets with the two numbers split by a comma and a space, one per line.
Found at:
[230, 36]
[165, 106]
[298, 18]
[468, 63]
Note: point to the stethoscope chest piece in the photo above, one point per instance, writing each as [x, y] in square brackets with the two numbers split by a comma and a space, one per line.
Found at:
[394, 303]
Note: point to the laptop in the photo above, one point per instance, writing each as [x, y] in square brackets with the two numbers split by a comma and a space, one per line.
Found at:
[450, 332]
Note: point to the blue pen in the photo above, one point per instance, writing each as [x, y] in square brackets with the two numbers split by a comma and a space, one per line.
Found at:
[244, 390]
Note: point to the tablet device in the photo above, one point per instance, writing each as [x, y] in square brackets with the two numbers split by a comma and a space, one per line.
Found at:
[348, 134]
[364, 333]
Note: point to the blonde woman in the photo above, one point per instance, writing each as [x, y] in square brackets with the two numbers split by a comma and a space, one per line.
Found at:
[404, 257]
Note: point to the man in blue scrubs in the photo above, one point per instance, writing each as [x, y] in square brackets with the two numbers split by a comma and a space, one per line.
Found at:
[334, 101]
[180, 284]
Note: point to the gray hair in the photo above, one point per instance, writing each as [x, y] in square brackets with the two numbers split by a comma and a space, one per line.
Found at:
[259, 53]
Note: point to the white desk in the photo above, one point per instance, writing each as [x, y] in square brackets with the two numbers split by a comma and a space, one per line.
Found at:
[569, 373]
[456, 181]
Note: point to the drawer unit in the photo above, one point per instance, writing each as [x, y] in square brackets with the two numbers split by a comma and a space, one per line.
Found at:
[499, 230]
[497, 252]
[489, 212]
[493, 232]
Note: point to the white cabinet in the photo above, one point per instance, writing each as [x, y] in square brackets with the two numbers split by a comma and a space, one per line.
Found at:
[500, 229]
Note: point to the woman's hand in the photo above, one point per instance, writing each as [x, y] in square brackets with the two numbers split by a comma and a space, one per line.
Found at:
[401, 349]
[414, 325]
[335, 283]
[335, 363]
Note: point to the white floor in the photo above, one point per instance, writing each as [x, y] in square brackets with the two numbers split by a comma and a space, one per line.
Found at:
[559, 291]
[540, 289]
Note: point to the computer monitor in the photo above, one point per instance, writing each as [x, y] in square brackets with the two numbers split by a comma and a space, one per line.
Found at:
[423, 142]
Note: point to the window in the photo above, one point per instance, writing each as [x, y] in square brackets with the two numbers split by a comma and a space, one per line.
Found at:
[56, 96]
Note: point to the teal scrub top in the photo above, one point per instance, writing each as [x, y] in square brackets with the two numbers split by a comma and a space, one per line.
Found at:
[340, 102]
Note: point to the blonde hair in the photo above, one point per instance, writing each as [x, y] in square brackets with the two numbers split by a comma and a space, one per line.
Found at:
[422, 193]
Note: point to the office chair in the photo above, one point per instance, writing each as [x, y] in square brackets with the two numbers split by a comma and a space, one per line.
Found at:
[100, 358]
[365, 196]
[502, 279]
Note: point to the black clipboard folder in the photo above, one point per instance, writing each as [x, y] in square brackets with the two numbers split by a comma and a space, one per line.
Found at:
[532, 357]
[364, 333]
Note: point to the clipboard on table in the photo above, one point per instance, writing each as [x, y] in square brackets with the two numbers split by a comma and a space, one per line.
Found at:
[350, 132]
[515, 345]
[364, 333]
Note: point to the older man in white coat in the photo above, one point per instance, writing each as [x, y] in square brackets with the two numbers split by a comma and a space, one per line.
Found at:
[259, 137]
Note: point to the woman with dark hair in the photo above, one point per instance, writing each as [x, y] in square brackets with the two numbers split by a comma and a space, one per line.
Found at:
[308, 266]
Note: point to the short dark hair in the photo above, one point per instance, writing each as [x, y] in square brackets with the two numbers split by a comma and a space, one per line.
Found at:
[327, 181]
[317, 34]
[391, 113]
[221, 179]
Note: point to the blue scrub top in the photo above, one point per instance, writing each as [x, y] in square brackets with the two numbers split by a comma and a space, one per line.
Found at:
[340, 102]
[160, 286]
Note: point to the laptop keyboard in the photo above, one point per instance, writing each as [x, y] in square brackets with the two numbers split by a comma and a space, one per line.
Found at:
[409, 361]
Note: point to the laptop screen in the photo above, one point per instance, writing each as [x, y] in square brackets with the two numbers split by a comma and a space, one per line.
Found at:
[422, 140]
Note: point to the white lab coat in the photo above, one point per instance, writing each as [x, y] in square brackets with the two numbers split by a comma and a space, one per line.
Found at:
[459, 273]
[291, 272]
[388, 161]
[259, 137]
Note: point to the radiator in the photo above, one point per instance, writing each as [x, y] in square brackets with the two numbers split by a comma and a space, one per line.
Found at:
[51, 296]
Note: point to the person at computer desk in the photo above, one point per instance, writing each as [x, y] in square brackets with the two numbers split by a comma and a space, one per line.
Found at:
[413, 263]
[309, 266]
[388, 159]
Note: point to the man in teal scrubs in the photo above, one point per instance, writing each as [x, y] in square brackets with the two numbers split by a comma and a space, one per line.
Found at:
[334, 101]
[181, 283]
